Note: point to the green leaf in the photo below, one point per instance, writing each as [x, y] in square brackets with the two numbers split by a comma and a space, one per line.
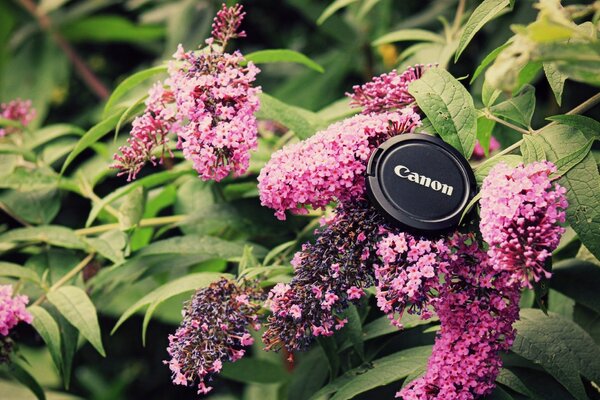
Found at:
[129, 83]
[310, 374]
[532, 150]
[449, 107]
[579, 280]
[184, 284]
[48, 329]
[589, 126]
[51, 132]
[509, 379]
[38, 207]
[54, 235]
[566, 163]
[137, 107]
[17, 271]
[77, 308]
[485, 127]
[147, 182]
[382, 326]
[488, 60]
[582, 183]
[282, 55]
[23, 376]
[132, 208]
[332, 9]
[556, 79]
[254, 370]
[23, 179]
[304, 123]
[91, 136]
[110, 28]
[539, 384]
[559, 345]
[353, 330]
[485, 12]
[278, 250]
[380, 372]
[518, 109]
[110, 245]
[409, 35]
[330, 349]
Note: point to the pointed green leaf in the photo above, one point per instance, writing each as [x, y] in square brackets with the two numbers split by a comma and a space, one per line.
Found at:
[410, 35]
[556, 79]
[129, 83]
[303, 122]
[565, 164]
[559, 345]
[23, 376]
[17, 271]
[589, 126]
[484, 13]
[518, 109]
[332, 9]
[282, 55]
[449, 107]
[48, 329]
[254, 370]
[488, 60]
[532, 150]
[51, 132]
[132, 208]
[77, 308]
[91, 136]
[380, 372]
[184, 284]
[52, 234]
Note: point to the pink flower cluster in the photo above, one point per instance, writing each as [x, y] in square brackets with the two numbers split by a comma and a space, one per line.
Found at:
[16, 110]
[329, 165]
[214, 330]
[12, 310]
[387, 91]
[215, 111]
[521, 210]
[408, 276]
[477, 306]
[208, 101]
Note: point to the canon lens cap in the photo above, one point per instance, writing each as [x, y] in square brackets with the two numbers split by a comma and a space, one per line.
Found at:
[420, 182]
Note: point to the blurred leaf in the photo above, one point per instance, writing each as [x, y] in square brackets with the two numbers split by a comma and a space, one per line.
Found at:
[91, 136]
[23, 376]
[449, 107]
[333, 8]
[556, 79]
[353, 330]
[110, 28]
[518, 109]
[484, 133]
[129, 83]
[184, 284]
[526, 75]
[380, 372]
[310, 374]
[485, 12]
[488, 60]
[275, 251]
[109, 245]
[17, 271]
[509, 379]
[36, 206]
[147, 182]
[579, 280]
[51, 132]
[52, 234]
[540, 385]
[303, 122]
[77, 308]
[254, 370]
[130, 112]
[22, 179]
[563, 348]
[329, 346]
[132, 208]
[282, 55]
[409, 35]
[48, 329]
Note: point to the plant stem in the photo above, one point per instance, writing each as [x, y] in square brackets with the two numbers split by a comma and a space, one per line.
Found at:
[489, 115]
[144, 223]
[82, 69]
[70, 275]
[460, 11]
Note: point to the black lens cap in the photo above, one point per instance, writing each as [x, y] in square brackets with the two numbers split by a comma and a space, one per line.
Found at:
[420, 182]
